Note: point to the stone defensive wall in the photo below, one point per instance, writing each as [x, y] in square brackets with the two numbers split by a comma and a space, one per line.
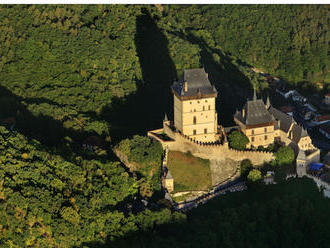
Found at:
[217, 151]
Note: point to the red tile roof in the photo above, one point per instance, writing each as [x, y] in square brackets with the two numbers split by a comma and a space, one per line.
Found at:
[323, 118]
[9, 121]
[94, 141]
[286, 109]
[325, 128]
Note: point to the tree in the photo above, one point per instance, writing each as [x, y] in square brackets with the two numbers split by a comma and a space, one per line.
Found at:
[284, 156]
[246, 167]
[254, 175]
[238, 140]
[145, 189]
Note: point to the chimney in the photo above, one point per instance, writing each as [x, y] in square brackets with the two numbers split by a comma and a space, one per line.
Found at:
[185, 86]
[243, 113]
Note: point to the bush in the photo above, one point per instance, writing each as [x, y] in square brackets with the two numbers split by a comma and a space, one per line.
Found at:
[238, 140]
[284, 156]
[254, 175]
[246, 167]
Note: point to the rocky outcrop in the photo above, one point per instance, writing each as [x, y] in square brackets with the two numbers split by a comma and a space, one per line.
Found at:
[123, 158]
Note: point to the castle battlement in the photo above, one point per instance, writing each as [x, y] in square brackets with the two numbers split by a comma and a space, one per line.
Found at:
[206, 150]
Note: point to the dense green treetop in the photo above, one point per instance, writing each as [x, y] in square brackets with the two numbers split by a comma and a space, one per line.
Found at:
[70, 71]
[284, 156]
[238, 140]
[47, 201]
[76, 63]
[146, 154]
[254, 175]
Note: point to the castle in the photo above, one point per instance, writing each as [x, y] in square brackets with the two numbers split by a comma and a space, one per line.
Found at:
[195, 127]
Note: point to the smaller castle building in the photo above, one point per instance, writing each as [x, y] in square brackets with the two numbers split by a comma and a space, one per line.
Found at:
[256, 122]
[263, 125]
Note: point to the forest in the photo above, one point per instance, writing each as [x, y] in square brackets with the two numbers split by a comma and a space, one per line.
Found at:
[74, 73]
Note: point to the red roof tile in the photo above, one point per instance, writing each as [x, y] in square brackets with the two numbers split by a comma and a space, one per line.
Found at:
[286, 109]
[323, 118]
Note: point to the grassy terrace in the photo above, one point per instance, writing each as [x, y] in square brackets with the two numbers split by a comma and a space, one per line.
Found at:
[189, 172]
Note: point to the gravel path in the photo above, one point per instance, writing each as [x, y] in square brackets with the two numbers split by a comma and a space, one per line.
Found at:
[222, 169]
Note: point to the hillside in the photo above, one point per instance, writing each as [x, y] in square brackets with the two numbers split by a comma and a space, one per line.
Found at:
[98, 69]
[49, 201]
[75, 74]
[293, 214]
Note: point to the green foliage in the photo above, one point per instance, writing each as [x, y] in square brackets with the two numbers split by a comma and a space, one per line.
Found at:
[69, 68]
[245, 167]
[284, 156]
[48, 201]
[238, 140]
[146, 154]
[261, 215]
[73, 59]
[254, 175]
[141, 149]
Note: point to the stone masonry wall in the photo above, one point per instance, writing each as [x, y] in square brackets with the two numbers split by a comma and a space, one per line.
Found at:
[212, 150]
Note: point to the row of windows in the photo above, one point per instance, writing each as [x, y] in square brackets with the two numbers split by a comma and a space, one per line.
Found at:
[205, 131]
[305, 146]
[252, 138]
[195, 119]
[198, 101]
[203, 108]
[265, 129]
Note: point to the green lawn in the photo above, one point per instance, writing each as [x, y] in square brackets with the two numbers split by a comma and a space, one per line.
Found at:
[189, 172]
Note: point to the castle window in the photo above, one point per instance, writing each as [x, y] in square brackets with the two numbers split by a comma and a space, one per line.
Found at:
[195, 120]
[265, 137]
[252, 139]
[209, 107]
[194, 110]
[265, 129]
[252, 131]
[205, 100]
[205, 130]
[203, 108]
[190, 102]
[194, 131]
[197, 101]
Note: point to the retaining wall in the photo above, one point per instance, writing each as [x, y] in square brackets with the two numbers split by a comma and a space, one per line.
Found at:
[212, 150]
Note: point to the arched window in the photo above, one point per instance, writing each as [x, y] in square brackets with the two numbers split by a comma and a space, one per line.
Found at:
[194, 120]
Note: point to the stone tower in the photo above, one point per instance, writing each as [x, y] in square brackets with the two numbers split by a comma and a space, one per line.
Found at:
[194, 106]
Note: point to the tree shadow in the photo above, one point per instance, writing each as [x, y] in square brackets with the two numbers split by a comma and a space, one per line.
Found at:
[51, 133]
[232, 85]
[145, 109]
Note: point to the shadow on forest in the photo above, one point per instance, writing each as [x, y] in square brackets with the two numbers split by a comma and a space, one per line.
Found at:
[136, 114]
[232, 85]
[145, 109]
